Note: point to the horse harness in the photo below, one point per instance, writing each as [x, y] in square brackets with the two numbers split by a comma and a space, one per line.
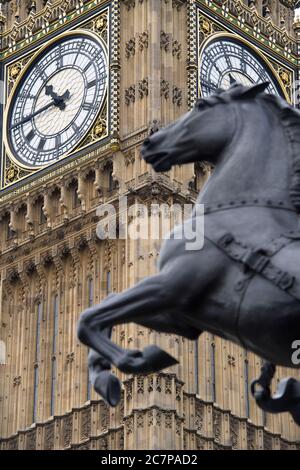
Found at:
[258, 260]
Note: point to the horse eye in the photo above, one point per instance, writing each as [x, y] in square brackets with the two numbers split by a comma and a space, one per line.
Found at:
[200, 104]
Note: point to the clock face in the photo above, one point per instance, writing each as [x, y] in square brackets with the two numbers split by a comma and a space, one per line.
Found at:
[57, 100]
[225, 61]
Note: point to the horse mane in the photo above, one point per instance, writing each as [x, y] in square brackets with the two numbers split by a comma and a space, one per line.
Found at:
[289, 116]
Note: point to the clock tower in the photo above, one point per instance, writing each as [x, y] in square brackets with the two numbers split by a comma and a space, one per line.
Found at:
[83, 83]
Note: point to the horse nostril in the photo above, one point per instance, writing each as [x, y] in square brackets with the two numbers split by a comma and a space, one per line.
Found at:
[147, 141]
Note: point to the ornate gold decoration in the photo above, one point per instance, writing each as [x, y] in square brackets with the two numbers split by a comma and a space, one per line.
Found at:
[100, 128]
[12, 173]
[99, 26]
[2, 17]
[15, 70]
[205, 25]
[286, 79]
[206, 28]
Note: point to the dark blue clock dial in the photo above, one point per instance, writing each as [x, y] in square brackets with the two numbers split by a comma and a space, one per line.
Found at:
[57, 100]
[225, 61]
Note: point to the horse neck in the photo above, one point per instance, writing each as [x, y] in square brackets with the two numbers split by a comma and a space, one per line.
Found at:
[256, 164]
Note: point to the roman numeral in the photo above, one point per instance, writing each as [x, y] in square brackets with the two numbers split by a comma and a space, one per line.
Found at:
[41, 72]
[41, 144]
[30, 136]
[89, 107]
[58, 141]
[87, 66]
[91, 84]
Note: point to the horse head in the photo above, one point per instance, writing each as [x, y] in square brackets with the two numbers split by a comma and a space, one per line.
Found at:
[247, 135]
[201, 134]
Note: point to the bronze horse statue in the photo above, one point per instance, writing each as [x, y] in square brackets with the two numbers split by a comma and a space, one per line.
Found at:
[244, 284]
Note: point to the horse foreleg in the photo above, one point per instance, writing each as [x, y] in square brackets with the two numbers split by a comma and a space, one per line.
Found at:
[147, 297]
[104, 382]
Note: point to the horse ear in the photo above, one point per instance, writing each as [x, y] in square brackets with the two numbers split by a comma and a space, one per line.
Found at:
[254, 90]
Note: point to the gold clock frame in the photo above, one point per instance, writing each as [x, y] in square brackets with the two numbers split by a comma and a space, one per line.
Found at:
[248, 45]
[11, 97]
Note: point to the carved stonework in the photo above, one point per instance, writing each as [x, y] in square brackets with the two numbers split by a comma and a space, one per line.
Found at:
[49, 436]
[154, 126]
[103, 443]
[85, 424]
[199, 418]
[177, 96]
[168, 420]
[17, 381]
[130, 48]
[31, 440]
[143, 40]
[267, 441]
[165, 41]
[234, 432]
[130, 95]
[104, 417]
[217, 425]
[251, 440]
[30, 268]
[129, 426]
[178, 4]
[129, 157]
[165, 89]
[140, 384]
[143, 88]
[231, 360]
[200, 443]
[176, 49]
[67, 431]
[13, 276]
[140, 419]
[150, 383]
[13, 444]
[158, 383]
[168, 385]
[129, 3]
[70, 357]
[150, 418]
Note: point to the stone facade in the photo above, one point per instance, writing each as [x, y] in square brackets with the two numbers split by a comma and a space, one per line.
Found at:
[52, 264]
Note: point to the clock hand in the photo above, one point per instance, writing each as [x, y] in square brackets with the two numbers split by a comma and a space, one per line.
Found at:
[232, 81]
[58, 101]
[36, 113]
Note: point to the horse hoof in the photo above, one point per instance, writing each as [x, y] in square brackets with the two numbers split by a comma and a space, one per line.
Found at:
[158, 359]
[108, 386]
[151, 359]
[132, 362]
